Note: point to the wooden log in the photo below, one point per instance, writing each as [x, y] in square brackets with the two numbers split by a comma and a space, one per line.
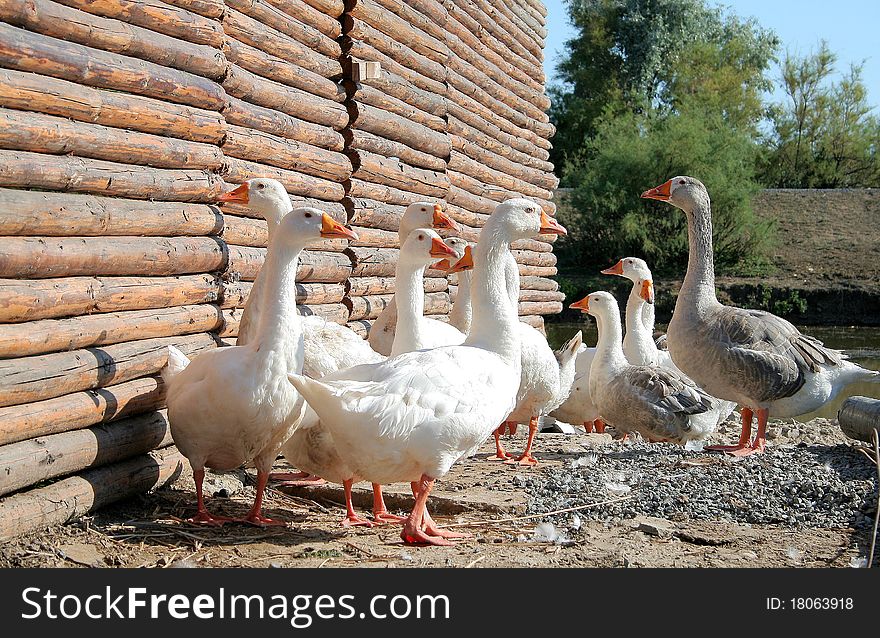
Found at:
[238, 171]
[43, 257]
[536, 245]
[66, 500]
[373, 213]
[304, 12]
[417, 14]
[30, 462]
[541, 295]
[335, 312]
[538, 283]
[369, 286]
[52, 335]
[480, 146]
[253, 88]
[859, 418]
[499, 24]
[540, 307]
[545, 180]
[314, 266]
[366, 94]
[369, 307]
[536, 321]
[532, 258]
[271, 15]
[73, 25]
[492, 130]
[263, 36]
[335, 209]
[404, 90]
[35, 132]
[364, 141]
[235, 294]
[258, 146]
[333, 8]
[460, 197]
[376, 49]
[537, 271]
[39, 93]
[499, 39]
[464, 164]
[246, 231]
[47, 376]
[375, 238]
[393, 127]
[400, 30]
[208, 8]
[31, 300]
[465, 216]
[66, 214]
[279, 70]
[379, 262]
[527, 22]
[382, 193]
[80, 410]
[361, 327]
[156, 16]
[274, 122]
[36, 53]
[370, 167]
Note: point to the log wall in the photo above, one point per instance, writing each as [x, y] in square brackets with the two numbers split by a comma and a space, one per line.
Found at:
[122, 121]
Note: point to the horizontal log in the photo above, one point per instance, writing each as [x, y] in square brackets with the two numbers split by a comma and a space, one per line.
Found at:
[31, 300]
[370, 167]
[393, 127]
[367, 286]
[43, 257]
[400, 30]
[67, 214]
[536, 321]
[80, 409]
[464, 164]
[366, 94]
[273, 16]
[375, 238]
[538, 283]
[460, 197]
[82, 175]
[480, 146]
[374, 213]
[309, 15]
[379, 262]
[314, 266]
[258, 90]
[237, 171]
[39, 93]
[47, 376]
[358, 47]
[68, 499]
[382, 193]
[499, 24]
[30, 462]
[545, 180]
[404, 90]
[369, 307]
[361, 328]
[335, 209]
[246, 231]
[208, 8]
[493, 130]
[541, 295]
[433, 9]
[73, 25]
[36, 53]
[258, 146]
[465, 216]
[156, 16]
[35, 132]
[364, 141]
[235, 294]
[335, 312]
[537, 271]
[241, 113]
[333, 8]
[279, 70]
[417, 14]
[262, 36]
[52, 335]
[536, 245]
[540, 307]
[532, 258]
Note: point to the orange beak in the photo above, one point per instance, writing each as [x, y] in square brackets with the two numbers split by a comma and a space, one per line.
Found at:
[332, 229]
[661, 193]
[616, 269]
[647, 291]
[465, 263]
[550, 226]
[239, 195]
[442, 220]
[583, 305]
[439, 249]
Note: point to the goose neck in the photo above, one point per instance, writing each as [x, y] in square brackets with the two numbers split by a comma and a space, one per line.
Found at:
[462, 312]
[279, 324]
[699, 282]
[410, 300]
[638, 342]
[609, 351]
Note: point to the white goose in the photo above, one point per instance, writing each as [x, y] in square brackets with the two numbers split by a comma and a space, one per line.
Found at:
[754, 358]
[579, 406]
[659, 403]
[312, 447]
[417, 215]
[232, 405]
[461, 314]
[413, 416]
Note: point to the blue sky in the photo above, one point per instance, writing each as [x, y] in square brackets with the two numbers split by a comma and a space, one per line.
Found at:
[850, 26]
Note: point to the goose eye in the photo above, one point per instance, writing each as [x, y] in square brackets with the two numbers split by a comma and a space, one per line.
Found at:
[308, 215]
[261, 186]
[421, 237]
[681, 181]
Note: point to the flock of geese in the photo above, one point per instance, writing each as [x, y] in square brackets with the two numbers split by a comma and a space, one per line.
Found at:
[421, 394]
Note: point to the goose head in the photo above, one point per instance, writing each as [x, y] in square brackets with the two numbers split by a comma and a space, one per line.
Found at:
[686, 193]
[522, 219]
[424, 247]
[425, 215]
[306, 225]
[632, 268]
[264, 196]
[598, 304]
[458, 246]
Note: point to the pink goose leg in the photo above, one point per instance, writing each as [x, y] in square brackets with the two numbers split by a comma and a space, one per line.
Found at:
[744, 437]
[380, 512]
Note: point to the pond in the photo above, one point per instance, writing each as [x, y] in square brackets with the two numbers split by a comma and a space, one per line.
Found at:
[861, 343]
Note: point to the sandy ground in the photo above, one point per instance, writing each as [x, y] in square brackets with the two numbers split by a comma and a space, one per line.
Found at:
[150, 531]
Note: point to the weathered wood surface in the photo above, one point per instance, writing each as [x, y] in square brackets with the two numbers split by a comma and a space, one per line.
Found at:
[375, 237]
[373, 213]
[367, 94]
[369, 307]
[365, 43]
[259, 146]
[536, 321]
[464, 164]
[394, 85]
[19, 169]
[35, 132]
[482, 148]
[367, 190]
[29, 379]
[537, 271]
[207, 8]
[314, 267]
[541, 295]
[43, 257]
[30, 462]
[309, 15]
[26, 51]
[53, 335]
[35, 299]
[73, 25]
[492, 130]
[68, 499]
[367, 286]
[80, 409]
[273, 15]
[389, 171]
[333, 8]
[238, 170]
[533, 258]
[235, 294]
[391, 126]
[538, 283]
[335, 312]
[42, 94]
[500, 24]
[399, 29]
[364, 141]
[275, 122]
[540, 307]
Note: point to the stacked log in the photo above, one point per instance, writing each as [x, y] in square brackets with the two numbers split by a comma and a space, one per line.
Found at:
[395, 80]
